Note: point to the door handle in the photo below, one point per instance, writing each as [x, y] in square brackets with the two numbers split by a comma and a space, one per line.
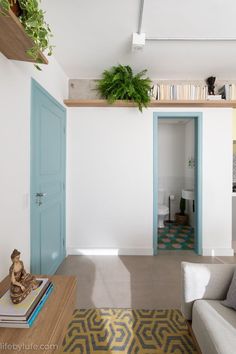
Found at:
[39, 195]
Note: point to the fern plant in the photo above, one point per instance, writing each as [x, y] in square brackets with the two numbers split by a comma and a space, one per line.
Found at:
[119, 83]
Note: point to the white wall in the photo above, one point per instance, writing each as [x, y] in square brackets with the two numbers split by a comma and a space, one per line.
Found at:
[171, 161]
[234, 222]
[110, 179]
[217, 181]
[15, 84]
[189, 172]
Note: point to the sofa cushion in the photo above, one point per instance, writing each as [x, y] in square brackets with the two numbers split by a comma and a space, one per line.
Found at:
[214, 326]
[230, 300]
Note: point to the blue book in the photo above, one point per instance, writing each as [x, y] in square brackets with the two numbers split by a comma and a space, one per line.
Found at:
[38, 308]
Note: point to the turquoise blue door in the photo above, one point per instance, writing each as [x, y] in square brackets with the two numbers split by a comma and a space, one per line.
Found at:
[48, 142]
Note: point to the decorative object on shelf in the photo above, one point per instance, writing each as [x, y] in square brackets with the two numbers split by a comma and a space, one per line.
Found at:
[214, 97]
[21, 282]
[119, 83]
[181, 218]
[32, 19]
[211, 85]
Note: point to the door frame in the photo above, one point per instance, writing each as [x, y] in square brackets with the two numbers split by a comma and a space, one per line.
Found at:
[35, 87]
[197, 116]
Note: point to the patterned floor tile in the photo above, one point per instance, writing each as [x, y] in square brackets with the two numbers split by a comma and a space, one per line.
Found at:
[176, 237]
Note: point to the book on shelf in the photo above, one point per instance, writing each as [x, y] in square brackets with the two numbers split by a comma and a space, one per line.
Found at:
[22, 315]
[153, 92]
[228, 92]
[185, 92]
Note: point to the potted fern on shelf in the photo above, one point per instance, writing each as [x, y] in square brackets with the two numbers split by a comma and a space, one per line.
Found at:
[32, 19]
[119, 83]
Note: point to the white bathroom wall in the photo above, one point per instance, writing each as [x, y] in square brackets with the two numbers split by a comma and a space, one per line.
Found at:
[15, 86]
[189, 171]
[189, 153]
[171, 161]
[110, 179]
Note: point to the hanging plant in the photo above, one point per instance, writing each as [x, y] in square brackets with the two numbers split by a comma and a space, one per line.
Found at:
[5, 5]
[32, 19]
[119, 83]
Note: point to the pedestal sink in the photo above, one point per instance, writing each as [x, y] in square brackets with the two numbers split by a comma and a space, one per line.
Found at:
[188, 194]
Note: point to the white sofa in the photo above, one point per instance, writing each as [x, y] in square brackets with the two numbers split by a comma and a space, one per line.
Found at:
[203, 288]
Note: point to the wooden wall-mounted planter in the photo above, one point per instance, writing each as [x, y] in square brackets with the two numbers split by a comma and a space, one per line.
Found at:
[14, 42]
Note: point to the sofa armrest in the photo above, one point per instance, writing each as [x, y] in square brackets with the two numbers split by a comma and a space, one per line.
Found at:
[203, 281]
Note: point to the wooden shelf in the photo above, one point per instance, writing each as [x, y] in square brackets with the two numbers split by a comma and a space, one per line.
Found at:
[14, 42]
[51, 323]
[103, 103]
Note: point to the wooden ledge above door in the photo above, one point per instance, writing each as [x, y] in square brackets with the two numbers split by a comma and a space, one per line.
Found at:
[119, 103]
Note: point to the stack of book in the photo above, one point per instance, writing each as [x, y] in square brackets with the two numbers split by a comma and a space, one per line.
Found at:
[23, 315]
[228, 92]
[167, 92]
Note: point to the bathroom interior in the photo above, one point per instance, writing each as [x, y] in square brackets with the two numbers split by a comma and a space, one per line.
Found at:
[176, 180]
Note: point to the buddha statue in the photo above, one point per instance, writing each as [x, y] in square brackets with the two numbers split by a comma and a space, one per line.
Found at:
[21, 282]
[211, 85]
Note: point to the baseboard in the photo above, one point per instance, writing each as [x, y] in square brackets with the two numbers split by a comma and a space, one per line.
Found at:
[110, 251]
[217, 252]
[234, 246]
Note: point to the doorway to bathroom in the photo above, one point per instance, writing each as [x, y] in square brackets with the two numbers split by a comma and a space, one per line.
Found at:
[177, 182]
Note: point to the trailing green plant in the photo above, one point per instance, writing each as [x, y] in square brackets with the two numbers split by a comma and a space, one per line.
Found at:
[5, 5]
[32, 19]
[119, 83]
[182, 206]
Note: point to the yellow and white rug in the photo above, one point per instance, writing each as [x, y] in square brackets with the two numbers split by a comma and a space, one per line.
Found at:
[111, 331]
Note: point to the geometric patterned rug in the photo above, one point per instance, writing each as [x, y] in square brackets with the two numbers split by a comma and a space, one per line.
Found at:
[103, 331]
[176, 237]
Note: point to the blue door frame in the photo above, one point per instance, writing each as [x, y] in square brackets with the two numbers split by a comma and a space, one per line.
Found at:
[45, 111]
[197, 116]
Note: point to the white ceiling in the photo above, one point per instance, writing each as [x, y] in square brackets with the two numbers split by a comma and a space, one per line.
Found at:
[92, 35]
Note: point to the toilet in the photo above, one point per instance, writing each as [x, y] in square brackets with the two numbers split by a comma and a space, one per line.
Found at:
[163, 210]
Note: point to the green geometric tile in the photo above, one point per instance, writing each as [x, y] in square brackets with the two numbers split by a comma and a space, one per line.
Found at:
[176, 237]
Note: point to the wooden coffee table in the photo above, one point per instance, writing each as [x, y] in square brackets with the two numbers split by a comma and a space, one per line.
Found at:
[46, 334]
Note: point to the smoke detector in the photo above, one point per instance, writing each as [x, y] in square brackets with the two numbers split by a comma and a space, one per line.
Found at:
[138, 41]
